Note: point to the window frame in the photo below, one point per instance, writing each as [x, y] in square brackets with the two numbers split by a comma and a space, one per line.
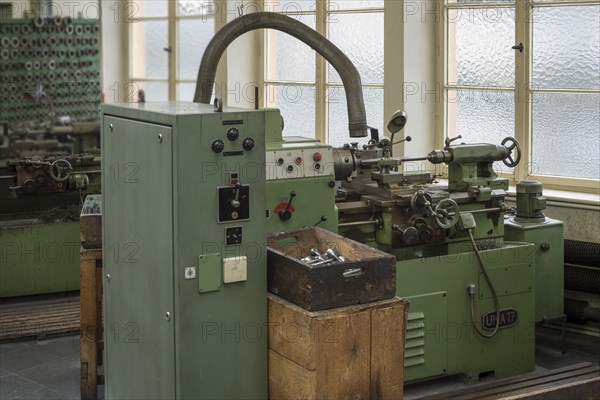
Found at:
[172, 19]
[393, 74]
[523, 88]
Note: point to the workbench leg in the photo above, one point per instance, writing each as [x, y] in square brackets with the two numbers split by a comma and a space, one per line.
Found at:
[88, 315]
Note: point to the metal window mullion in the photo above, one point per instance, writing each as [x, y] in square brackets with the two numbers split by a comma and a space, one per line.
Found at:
[564, 3]
[321, 80]
[468, 6]
[356, 11]
[566, 90]
[172, 38]
[364, 85]
[135, 79]
[483, 88]
[523, 110]
[283, 83]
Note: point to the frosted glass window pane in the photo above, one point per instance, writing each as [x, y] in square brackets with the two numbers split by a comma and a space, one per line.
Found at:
[289, 59]
[566, 47]
[297, 106]
[483, 116]
[149, 60]
[193, 36]
[338, 115]
[360, 37]
[286, 6]
[154, 91]
[566, 135]
[206, 8]
[147, 8]
[185, 91]
[354, 4]
[484, 37]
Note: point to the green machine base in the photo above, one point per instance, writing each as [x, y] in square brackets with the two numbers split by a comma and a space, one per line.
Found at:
[440, 338]
[547, 235]
[39, 258]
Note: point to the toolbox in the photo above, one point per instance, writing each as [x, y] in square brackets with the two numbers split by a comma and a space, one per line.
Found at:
[363, 275]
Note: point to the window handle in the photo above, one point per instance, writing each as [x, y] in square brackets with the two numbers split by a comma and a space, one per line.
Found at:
[519, 47]
[167, 49]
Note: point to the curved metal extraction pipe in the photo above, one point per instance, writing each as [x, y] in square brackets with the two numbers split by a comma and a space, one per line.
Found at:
[267, 20]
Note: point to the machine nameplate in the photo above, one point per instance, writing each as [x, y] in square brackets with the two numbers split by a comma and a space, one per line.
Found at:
[508, 318]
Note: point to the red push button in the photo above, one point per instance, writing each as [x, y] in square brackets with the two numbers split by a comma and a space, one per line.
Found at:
[317, 156]
[298, 160]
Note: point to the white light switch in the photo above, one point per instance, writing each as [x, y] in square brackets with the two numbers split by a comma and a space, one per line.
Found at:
[235, 269]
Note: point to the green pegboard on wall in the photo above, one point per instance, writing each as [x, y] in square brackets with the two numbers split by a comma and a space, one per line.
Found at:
[49, 68]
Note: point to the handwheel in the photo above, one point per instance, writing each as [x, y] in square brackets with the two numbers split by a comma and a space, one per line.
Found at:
[60, 170]
[509, 161]
[446, 214]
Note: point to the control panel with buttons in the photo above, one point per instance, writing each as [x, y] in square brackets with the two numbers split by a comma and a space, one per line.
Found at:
[299, 163]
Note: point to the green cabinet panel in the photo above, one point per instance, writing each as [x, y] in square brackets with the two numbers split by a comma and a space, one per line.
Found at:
[200, 332]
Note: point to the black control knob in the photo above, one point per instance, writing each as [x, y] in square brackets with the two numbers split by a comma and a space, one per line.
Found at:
[29, 186]
[248, 144]
[233, 134]
[286, 213]
[218, 146]
[408, 234]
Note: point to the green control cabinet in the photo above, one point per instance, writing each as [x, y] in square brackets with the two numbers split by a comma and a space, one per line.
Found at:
[184, 227]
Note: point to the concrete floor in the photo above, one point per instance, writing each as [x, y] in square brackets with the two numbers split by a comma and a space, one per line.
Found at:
[45, 369]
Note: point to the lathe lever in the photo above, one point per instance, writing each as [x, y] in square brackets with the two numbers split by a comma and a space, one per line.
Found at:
[285, 213]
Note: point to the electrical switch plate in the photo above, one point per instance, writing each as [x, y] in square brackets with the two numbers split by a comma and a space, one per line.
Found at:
[209, 272]
[235, 269]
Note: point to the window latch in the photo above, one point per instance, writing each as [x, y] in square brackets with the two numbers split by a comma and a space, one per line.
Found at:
[519, 47]
[167, 49]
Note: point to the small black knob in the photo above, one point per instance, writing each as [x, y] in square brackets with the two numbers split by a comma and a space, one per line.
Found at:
[285, 214]
[218, 146]
[248, 144]
[233, 134]
[29, 186]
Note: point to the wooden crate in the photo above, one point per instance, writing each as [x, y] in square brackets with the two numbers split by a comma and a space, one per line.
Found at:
[354, 352]
[90, 273]
[367, 275]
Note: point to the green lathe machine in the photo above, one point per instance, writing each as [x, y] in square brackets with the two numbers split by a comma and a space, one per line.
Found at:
[456, 294]
[186, 283]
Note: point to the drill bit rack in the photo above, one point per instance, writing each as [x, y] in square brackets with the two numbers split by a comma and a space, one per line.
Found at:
[49, 68]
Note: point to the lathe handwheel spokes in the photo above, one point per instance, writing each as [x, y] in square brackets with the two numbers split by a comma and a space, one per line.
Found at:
[446, 214]
[60, 170]
[509, 161]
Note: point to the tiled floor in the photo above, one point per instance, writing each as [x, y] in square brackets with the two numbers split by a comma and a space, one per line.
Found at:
[45, 369]
[49, 369]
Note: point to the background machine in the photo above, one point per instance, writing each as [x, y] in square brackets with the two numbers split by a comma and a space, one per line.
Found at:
[49, 156]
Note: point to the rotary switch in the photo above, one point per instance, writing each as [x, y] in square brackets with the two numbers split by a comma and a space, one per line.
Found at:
[233, 134]
[218, 146]
[248, 144]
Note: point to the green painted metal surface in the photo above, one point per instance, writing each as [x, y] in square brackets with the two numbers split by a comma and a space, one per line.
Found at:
[547, 235]
[314, 189]
[212, 344]
[39, 258]
[442, 340]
